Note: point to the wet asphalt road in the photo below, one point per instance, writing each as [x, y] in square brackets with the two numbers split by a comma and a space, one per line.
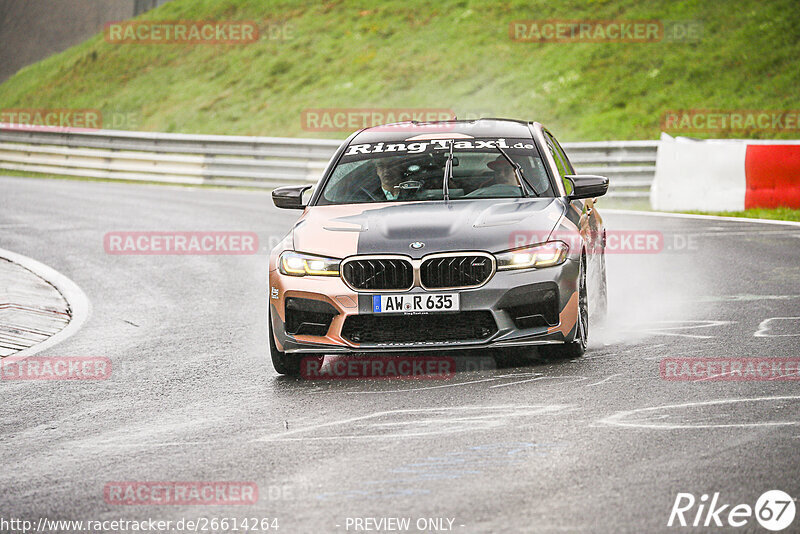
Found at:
[599, 444]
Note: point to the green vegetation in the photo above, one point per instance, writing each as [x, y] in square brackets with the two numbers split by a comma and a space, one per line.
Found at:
[452, 54]
[780, 214]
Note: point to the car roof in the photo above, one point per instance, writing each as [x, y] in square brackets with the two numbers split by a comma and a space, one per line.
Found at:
[402, 131]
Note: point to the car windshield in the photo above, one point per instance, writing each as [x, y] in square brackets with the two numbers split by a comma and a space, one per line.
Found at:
[414, 171]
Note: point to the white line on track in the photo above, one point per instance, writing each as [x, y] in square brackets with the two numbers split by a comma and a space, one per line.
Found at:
[518, 382]
[409, 390]
[757, 232]
[701, 217]
[432, 421]
[617, 419]
[606, 379]
[661, 328]
[144, 445]
[579, 379]
[763, 328]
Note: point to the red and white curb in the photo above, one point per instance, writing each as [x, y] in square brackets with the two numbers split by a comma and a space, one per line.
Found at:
[725, 174]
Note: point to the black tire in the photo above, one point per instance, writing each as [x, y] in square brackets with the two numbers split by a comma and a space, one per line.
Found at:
[576, 348]
[287, 364]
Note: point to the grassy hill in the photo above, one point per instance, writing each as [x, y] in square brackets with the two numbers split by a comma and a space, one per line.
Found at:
[451, 54]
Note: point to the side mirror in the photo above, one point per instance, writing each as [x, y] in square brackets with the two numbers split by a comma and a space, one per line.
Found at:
[289, 197]
[587, 186]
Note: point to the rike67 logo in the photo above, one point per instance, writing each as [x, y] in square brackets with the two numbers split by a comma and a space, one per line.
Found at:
[774, 510]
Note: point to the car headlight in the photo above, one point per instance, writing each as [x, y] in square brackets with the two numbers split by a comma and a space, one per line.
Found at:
[297, 264]
[534, 257]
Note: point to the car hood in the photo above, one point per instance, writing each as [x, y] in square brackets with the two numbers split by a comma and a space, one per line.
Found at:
[490, 225]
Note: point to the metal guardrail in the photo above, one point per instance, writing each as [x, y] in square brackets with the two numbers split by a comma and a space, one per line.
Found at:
[241, 161]
[629, 165]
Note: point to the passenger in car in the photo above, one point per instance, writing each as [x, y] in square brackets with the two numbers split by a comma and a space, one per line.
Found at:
[502, 183]
[503, 172]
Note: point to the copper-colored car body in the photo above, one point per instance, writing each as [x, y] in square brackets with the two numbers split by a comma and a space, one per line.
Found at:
[405, 241]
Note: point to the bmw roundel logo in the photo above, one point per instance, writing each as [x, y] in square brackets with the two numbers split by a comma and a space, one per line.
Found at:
[416, 245]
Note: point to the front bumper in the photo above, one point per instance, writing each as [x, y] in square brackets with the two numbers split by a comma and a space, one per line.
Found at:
[528, 307]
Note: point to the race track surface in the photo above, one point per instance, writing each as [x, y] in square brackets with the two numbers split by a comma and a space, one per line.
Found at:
[599, 444]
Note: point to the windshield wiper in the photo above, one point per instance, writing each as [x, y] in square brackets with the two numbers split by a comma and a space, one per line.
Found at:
[517, 171]
[448, 174]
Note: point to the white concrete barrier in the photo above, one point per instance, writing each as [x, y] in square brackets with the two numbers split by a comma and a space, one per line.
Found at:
[699, 175]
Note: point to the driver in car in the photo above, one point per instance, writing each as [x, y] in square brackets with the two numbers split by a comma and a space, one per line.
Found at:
[390, 174]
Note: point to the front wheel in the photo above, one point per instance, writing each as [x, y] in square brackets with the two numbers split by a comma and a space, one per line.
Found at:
[287, 364]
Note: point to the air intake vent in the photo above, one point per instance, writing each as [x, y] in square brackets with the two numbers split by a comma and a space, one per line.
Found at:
[414, 329]
[378, 273]
[308, 317]
[456, 271]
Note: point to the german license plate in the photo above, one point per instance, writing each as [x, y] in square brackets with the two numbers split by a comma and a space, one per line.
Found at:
[424, 303]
